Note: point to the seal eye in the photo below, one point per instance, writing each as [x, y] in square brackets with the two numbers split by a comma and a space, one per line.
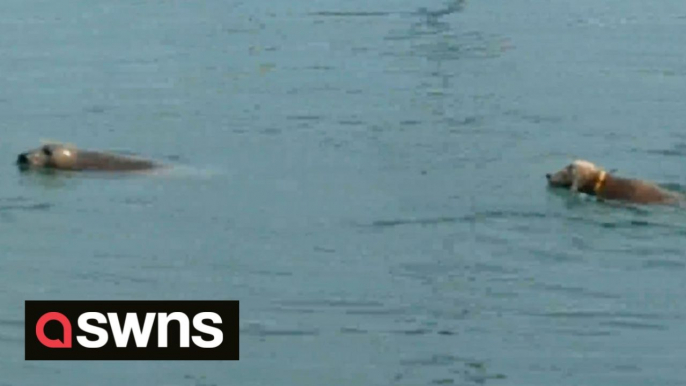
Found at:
[47, 151]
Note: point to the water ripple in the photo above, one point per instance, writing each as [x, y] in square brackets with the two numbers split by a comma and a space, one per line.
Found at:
[494, 214]
[446, 369]
[349, 14]
[256, 329]
[28, 207]
[595, 314]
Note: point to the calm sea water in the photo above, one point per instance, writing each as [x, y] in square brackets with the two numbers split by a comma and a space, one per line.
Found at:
[365, 177]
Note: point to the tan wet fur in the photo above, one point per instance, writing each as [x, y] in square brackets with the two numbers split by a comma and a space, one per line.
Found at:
[585, 177]
[68, 157]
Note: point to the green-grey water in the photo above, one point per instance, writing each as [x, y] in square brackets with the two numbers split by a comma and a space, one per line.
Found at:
[367, 178]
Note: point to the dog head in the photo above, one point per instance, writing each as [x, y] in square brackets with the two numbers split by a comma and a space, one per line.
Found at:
[576, 176]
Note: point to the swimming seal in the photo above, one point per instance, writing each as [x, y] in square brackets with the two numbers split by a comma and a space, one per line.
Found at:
[585, 177]
[64, 157]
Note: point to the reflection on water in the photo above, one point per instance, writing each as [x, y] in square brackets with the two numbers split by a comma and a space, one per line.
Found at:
[47, 178]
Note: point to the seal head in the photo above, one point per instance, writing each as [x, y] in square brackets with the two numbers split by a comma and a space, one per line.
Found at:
[63, 157]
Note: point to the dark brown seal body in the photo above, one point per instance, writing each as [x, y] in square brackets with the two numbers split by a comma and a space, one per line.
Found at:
[585, 177]
[63, 157]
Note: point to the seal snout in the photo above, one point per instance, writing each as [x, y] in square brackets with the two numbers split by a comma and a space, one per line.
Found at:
[23, 159]
[547, 176]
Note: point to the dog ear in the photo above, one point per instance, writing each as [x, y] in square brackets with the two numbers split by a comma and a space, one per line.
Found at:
[573, 170]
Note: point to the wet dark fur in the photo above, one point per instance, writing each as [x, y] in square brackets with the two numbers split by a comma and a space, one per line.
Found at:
[92, 160]
[624, 189]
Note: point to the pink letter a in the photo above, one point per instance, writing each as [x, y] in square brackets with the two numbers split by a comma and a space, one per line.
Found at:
[54, 343]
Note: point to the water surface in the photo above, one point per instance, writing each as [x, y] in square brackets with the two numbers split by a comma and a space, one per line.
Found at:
[366, 178]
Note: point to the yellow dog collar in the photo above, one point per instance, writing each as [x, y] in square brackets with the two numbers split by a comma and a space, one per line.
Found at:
[600, 182]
